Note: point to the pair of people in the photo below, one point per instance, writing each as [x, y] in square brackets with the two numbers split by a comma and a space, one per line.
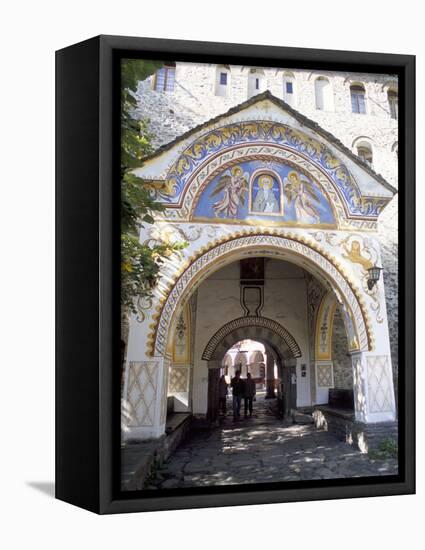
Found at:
[242, 389]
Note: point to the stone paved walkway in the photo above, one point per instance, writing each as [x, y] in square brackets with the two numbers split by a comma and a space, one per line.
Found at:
[262, 449]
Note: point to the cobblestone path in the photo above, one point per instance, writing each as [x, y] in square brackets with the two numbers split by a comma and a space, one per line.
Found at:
[262, 449]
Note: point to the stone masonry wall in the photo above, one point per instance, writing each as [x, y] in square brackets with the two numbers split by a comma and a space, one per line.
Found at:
[194, 101]
[343, 371]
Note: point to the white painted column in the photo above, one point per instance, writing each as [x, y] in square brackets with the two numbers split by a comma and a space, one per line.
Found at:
[373, 384]
[373, 387]
[144, 404]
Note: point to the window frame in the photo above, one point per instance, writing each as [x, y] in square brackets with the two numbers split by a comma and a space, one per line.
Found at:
[357, 91]
[392, 97]
[369, 152]
[166, 68]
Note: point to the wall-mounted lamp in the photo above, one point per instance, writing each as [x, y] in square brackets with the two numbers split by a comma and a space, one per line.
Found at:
[374, 274]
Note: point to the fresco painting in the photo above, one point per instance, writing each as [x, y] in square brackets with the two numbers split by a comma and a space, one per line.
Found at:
[255, 191]
[266, 194]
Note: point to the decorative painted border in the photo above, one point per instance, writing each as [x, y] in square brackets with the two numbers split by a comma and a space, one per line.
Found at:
[276, 153]
[142, 374]
[329, 300]
[186, 358]
[266, 132]
[379, 384]
[324, 371]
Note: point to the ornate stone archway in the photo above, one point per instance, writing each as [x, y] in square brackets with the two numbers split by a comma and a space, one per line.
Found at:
[185, 277]
[280, 245]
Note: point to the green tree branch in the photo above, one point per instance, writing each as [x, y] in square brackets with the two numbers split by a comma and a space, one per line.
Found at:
[140, 263]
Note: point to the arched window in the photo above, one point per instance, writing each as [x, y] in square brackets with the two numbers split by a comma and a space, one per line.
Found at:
[358, 98]
[256, 82]
[289, 89]
[222, 80]
[364, 151]
[393, 103]
[165, 78]
[324, 94]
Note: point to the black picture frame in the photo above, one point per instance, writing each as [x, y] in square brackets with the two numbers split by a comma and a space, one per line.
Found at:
[87, 272]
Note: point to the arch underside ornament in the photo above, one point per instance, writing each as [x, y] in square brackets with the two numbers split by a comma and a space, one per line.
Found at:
[195, 164]
[289, 247]
[260, 328]
[324, 326]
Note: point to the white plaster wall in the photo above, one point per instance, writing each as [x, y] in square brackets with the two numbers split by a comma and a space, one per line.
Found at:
[217, 304]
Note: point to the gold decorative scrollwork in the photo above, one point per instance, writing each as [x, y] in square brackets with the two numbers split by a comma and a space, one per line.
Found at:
[143, 304]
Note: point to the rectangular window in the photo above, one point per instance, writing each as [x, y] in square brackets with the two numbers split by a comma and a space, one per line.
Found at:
[257, 83]
[393, 106]
[160, 80]
[223, 79]
[164, 79]
[289, 88]
[169, 84]
[358, 103]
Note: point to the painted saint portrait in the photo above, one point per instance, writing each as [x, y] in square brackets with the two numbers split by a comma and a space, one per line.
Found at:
[233, 185]
[266, 195]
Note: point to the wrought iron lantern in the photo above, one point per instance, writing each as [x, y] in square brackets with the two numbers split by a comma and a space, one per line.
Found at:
[374, 274]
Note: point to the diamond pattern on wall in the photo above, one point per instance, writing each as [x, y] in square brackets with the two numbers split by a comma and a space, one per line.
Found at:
[141, 392]
[379, 384]
[324, 375]
[164, 391]
[178, 380]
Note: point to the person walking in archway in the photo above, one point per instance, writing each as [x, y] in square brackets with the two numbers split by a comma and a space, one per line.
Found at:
[238, 391]
[222, 394]
[250, 391]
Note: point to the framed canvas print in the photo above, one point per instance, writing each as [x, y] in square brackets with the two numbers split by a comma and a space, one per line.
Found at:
[235, 274]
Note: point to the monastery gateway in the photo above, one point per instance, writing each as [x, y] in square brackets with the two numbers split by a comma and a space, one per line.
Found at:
[280, 221]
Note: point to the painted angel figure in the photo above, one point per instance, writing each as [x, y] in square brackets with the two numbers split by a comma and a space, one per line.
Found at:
[235, 186]
[302, 193]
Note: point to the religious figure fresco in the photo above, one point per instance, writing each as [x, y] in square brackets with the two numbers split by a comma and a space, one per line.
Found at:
[266, 195]
[234, 185]
[271, 192]
[302, 194]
